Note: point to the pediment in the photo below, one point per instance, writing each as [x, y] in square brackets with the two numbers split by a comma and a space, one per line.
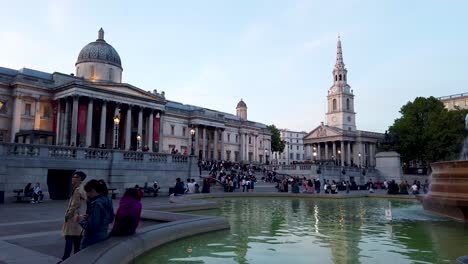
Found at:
[130, 90]
[322, 132]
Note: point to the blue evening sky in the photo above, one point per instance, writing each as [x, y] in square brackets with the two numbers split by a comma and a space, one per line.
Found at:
[276, 55]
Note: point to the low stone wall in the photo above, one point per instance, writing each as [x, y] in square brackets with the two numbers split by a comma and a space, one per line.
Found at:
[127, 249]
[23, 163]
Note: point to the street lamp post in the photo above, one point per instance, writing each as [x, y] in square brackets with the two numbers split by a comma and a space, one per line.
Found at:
[339, 156]
[359, 155]
[314, 153]
[138, 142]
[192, 132]
[116, 131]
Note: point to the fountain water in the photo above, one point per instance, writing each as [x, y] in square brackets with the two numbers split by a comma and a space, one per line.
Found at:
[448, 192]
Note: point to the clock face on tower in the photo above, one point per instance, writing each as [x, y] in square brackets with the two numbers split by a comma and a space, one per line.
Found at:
[334, 119]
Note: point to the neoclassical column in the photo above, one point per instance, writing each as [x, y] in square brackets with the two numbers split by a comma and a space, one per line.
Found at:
[74, 125]
[89, 122]
[58, 130]
[334, 151]
[326, 151]
[66, 124]
[16, 117]
[102, 131]
[242, 146]
[150, 130]
[215, 144]
[37, 115]
[246, 154]
[140, 125]
[255, 148]
[197, 146]
[348, 155]
[342, 153]
[319, 151]
[128, 128]
[161, 131]
[222, 144]
[204, 154]
[371, 154]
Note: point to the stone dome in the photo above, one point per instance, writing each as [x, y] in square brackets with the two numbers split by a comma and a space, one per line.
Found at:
[241, 104]
[99, 51]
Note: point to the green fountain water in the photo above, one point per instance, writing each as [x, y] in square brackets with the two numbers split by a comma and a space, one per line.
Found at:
[277, 230]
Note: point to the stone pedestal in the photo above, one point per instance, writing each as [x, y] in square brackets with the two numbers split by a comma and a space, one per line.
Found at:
[389, 166]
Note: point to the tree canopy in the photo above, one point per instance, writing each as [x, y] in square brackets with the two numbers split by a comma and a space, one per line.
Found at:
[427, 132]
[277, 145]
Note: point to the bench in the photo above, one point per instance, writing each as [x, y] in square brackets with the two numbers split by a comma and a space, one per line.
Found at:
[18, 195]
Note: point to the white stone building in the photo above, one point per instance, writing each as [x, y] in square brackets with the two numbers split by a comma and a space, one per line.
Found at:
[338, 140]
[93, 108]
[452, 102]
[294, 150]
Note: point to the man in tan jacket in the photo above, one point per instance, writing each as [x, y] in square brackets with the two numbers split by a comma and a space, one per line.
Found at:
[72, 229]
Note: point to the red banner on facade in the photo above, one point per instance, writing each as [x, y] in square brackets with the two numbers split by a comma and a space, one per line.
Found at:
[55, 109]
[82, 112]
[156, 129]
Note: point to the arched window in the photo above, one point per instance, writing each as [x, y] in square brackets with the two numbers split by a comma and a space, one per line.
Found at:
[347, 104]
[111, 74]
[334, 104]
[340, 77]
[336, 78]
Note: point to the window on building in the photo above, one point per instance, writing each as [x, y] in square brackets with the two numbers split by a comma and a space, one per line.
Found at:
[3, 107]
[236, 156]
[340, 77]
[336, 78]
[334, 104]
[111, 74]
[347, 104]
[291, 156]
[290, 134]
[237, 139]
[298, 156]
[297, 147]
[172, 148]
[27, 109]
[291, 147]
[229, 137]
[250, 140]
[228, 155]
[184, 131]
[261, 142]
[47, 111]
[172, 130]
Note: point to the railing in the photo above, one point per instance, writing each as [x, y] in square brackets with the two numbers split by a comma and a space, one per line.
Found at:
[133, 156]
[179, 159]
[158, 158]
[22, 150]
[77, 153]
[61, 152]
[97, 154]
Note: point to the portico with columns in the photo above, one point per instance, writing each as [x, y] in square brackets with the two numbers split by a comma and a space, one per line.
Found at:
[87, 117]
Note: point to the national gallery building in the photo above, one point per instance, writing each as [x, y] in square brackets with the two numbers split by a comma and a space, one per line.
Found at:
[94, 108]
[338, 140]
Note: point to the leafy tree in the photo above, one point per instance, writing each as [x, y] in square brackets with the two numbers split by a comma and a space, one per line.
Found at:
[427, 131]
[277, 145]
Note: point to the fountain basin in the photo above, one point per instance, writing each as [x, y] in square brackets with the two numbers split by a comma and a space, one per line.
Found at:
[448, 192]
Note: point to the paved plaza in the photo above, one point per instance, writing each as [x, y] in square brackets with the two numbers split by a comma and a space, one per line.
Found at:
[33, 231]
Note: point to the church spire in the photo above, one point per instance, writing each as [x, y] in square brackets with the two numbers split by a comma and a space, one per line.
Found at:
[339, 55]
[101, 34]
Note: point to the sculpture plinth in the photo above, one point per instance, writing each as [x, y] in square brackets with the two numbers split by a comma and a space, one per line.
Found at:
[448, 192]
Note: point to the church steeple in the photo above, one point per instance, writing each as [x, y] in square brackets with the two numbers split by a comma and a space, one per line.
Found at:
[340, 97]
[339, 72]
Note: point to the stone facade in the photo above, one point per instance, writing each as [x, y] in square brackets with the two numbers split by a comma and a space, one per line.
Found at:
[294, 150]
[338, 141]
[95, 109]
[452, 102]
